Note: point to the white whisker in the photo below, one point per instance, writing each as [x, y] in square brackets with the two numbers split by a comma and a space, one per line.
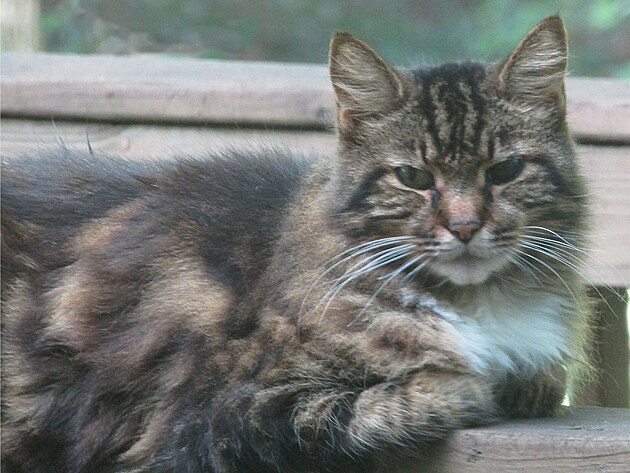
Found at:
[522, 264]
[567, 233]
[390, 277]
[538, 260]
[562, 258]
[409, 276]
[556, 243]
[353, 276]
[564, 247]
[363, 247]
[374, 261]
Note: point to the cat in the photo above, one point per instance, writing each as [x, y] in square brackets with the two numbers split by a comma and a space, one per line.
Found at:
[271, 312]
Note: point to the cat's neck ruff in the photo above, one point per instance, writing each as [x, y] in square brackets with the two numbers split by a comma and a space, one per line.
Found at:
[506, 330]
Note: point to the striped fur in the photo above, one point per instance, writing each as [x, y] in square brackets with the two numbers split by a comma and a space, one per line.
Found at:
[276, 313]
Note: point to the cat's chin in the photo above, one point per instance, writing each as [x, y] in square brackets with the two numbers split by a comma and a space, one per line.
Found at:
[468, 271]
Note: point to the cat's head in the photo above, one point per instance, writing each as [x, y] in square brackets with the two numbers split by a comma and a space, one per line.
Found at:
[471, 163]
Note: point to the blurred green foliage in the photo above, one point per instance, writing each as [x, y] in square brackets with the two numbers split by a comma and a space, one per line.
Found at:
[405, 31]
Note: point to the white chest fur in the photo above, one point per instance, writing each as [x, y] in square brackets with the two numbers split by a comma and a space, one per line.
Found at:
[506, 331]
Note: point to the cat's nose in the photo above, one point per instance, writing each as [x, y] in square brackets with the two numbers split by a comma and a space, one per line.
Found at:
[464, 231]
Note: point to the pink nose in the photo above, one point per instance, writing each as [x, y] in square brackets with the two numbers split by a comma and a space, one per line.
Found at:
[464, 231]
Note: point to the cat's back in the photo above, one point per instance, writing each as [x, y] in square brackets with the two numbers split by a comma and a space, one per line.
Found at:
[61, 186]
[54, 198]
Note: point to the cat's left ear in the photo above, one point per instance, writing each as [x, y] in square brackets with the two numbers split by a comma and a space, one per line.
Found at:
[534, 72]
[365, 85]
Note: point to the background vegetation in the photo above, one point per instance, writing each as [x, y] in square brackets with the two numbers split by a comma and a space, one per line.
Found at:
[404, 31]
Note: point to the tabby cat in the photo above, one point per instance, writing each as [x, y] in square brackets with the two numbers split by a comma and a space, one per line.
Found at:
[277, 313]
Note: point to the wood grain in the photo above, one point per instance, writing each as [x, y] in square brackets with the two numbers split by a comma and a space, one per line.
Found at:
[607, 168]
[599, 109]
[584, 440]
[193, 91]
[159, 89]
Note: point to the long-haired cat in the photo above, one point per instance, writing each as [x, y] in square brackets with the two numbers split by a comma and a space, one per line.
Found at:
[274, 313]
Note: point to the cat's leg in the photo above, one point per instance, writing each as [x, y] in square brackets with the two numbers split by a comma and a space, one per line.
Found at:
[539, 395]
[393, 415]
[349, 425]
[393, 386]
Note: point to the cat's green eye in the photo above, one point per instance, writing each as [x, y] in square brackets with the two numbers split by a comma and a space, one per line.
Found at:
[505, 171]
[415, 178]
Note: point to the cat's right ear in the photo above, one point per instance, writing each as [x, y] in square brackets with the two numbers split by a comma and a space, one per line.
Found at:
[533, 74]
[364, 84]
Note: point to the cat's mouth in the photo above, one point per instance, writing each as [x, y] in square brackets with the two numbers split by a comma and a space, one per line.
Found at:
[468, 265]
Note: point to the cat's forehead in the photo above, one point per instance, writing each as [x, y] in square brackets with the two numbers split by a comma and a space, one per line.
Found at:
[450, 76]
[451, 103]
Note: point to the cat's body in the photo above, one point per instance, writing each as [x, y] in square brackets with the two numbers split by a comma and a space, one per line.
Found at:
[278, 313]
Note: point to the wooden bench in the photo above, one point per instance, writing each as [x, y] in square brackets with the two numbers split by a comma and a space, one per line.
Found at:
[147, 106]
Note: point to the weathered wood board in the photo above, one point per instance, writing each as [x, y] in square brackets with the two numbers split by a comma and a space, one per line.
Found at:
[158, 89]
[585, 440]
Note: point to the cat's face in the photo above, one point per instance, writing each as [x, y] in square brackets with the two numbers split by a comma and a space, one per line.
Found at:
[471, 164]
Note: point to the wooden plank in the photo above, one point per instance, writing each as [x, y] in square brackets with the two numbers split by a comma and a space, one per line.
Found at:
[599, 109]
[159, 89]
[584, 440]
[607, 167]
[156, 89]
[608, 170]
[142, 141]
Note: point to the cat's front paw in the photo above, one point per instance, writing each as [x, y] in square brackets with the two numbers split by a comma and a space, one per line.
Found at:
[396, 415]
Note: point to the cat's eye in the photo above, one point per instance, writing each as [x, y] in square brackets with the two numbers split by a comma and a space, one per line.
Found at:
[505, 171]
[415, 178]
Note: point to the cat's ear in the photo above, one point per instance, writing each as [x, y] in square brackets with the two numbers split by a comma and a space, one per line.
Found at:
[534, 72]
[364, 84]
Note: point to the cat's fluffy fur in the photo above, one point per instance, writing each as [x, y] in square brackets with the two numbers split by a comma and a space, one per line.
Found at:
[272, 313]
